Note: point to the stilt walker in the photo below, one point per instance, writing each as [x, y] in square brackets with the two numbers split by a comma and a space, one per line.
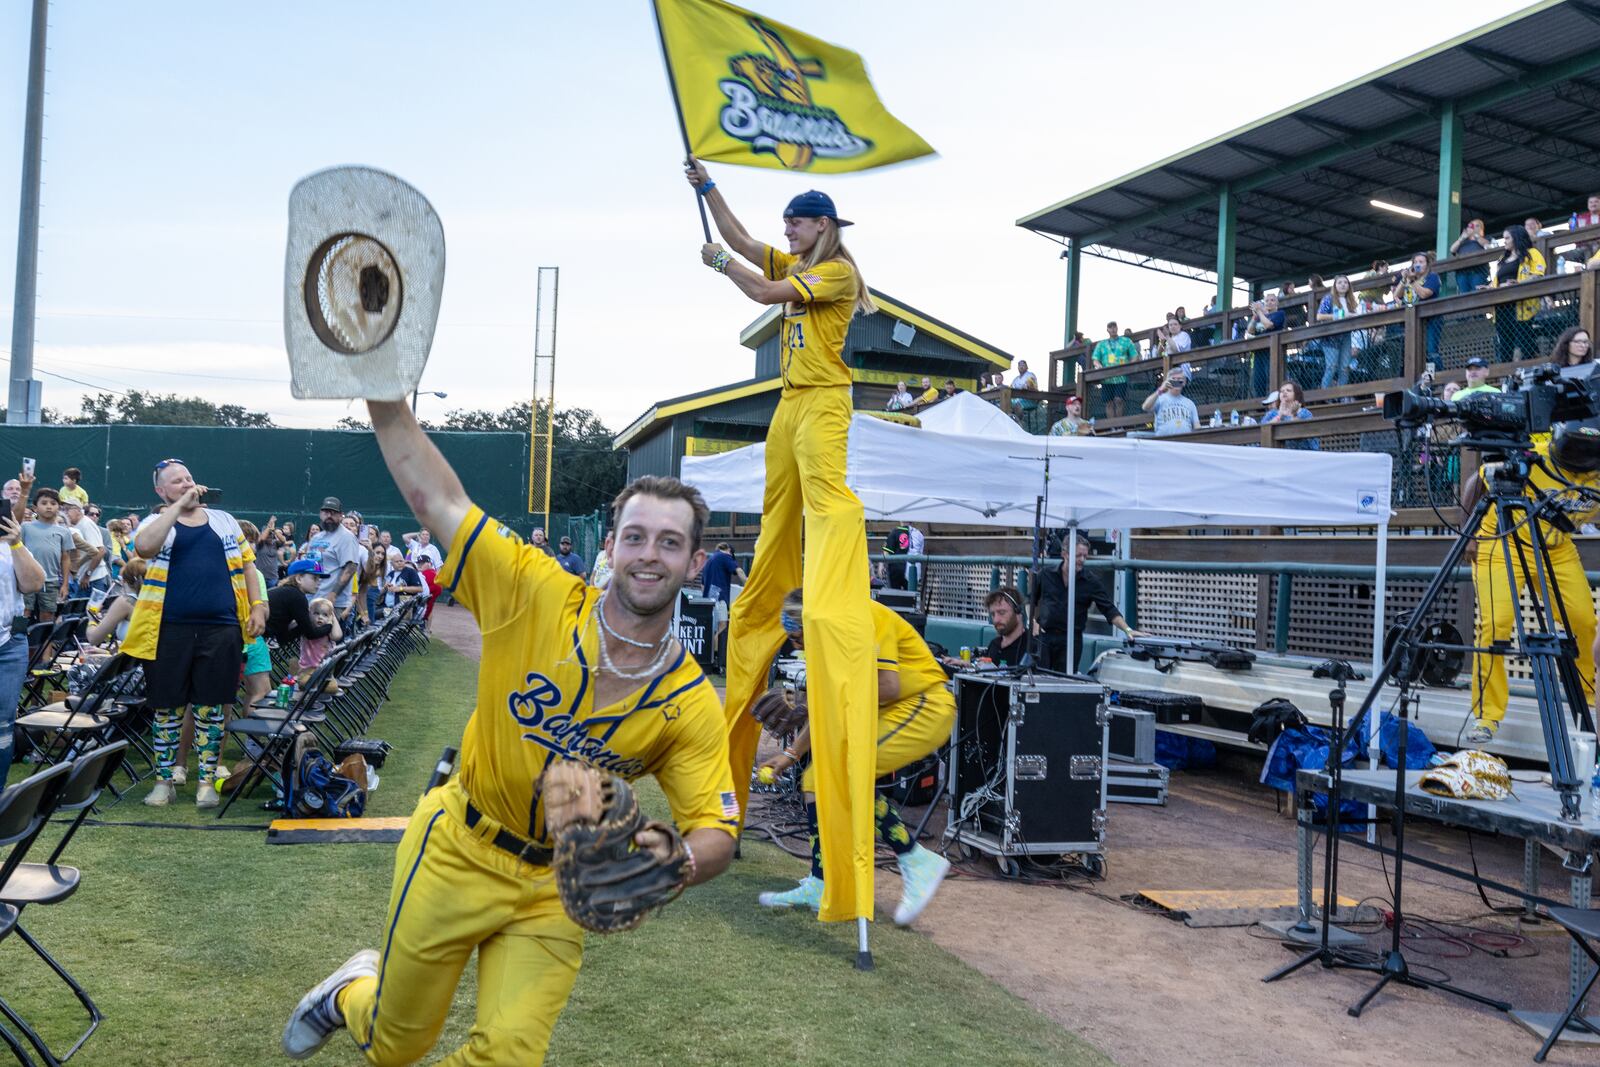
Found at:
[819, 288]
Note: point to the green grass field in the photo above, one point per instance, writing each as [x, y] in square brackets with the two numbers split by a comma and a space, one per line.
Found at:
[196, 944]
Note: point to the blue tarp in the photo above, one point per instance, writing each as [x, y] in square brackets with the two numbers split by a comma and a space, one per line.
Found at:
[1306, 748]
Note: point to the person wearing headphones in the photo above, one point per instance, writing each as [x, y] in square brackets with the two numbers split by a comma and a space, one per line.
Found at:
[915, 713]
[1568, 467]
[1010, 642]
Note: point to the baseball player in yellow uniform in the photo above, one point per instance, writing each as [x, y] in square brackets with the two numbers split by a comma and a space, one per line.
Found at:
[915, 715]
[1574, 456]
[820, 289]
[568, 672]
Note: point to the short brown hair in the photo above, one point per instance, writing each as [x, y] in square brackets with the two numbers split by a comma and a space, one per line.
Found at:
[665, 488]
[74, 473]
[1005, 592]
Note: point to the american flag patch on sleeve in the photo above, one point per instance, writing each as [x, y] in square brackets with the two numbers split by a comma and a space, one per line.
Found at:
[730, 805]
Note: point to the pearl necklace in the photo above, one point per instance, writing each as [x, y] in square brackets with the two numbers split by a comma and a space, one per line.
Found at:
[607, 665]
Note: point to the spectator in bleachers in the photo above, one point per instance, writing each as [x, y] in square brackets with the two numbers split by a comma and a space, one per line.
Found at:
[313, 650]
[1418, 282]
[1572, 348]
[1535, 228]
[1472, 241]
[1114, 351]
[950, 388]
[1023, 408]
[1291, 404]
[1174, 412]
[1178, 339]
[1448, 391]
[20, 576]
[421, 551]
[1477, 379]
[1265, 317]
[1338, 305]
[929, 394]
[71, 491]
[50, 543]
[1072, 424]
[1513, 323]
[600, 577]
[200, 601]
[569, 560]
[1584, 250]
[117, 608]
[901, 398]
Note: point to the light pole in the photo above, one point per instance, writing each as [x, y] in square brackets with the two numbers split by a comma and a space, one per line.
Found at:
[429, 392]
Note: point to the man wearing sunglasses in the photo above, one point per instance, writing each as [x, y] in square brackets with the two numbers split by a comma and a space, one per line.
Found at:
[199, 604]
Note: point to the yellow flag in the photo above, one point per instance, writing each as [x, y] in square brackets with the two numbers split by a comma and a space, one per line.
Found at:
[760, 94]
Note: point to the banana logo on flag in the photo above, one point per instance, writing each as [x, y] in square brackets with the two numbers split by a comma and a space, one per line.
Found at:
[754, 92]
[770, 106]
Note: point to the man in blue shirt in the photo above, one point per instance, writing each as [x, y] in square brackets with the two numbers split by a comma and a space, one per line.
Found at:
[721, 570]
[570, 561]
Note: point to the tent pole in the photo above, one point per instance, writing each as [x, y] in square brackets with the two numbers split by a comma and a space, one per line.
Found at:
[1380, 591]
[1072, 595]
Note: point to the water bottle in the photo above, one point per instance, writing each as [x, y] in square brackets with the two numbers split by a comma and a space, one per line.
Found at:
[1216, 418]
[1233, 417]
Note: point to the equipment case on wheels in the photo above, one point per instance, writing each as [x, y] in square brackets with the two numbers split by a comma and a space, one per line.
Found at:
[1028, 766]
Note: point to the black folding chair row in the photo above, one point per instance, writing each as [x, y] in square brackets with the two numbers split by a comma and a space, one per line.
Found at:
[110, 707]
[336, 702]
[25, 808]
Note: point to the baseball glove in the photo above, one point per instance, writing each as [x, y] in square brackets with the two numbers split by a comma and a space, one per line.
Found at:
[606, 881]
[779, 711]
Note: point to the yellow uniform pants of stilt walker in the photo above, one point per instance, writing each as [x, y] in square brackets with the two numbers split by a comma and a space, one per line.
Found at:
[805, 488]
[1498, 602]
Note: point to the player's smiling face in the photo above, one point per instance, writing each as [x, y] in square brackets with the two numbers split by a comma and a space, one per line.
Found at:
[654, 555]
[803, 233]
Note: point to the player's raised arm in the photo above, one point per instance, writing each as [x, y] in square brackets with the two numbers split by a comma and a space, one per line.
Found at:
[431, 488]
[730, 228]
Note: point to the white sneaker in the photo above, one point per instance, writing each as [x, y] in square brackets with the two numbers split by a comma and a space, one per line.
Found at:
[316, 1018]
[180, 776]
[207, 796]
[808, 894]
[1482, 732]
[921, 871]
[161, 795]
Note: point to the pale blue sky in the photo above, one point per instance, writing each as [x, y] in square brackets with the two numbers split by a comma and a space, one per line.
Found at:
[543, 134]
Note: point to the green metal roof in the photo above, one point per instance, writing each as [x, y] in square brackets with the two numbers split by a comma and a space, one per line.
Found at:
[1302, 177]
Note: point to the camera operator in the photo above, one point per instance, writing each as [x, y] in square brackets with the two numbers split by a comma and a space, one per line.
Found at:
[1573, 459]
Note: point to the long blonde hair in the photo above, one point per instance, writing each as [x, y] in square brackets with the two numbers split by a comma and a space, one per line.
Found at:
[831, 246]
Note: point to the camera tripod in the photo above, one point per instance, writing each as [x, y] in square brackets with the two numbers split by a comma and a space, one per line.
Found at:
[1558, 689]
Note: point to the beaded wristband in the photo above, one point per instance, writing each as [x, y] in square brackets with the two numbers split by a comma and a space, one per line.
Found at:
[720, 261]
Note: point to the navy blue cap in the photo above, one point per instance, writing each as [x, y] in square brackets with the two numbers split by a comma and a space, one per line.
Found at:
[1477, 361]
[813, 204]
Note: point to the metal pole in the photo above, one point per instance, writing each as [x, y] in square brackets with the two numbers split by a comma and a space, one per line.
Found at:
[19, 408]
[1448, 212]
[1074, 285]
[1226, 220]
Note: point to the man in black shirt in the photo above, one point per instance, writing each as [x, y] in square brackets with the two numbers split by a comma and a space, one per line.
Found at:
[1011, 637]
[1050, 607]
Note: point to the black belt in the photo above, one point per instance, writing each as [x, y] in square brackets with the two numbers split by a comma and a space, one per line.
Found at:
[506, 841]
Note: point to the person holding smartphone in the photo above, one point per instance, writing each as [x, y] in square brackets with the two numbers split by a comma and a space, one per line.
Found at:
[1174, 412]
[200, 604]
[20, 576]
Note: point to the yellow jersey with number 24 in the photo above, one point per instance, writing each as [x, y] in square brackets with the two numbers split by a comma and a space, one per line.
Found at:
[535, 699]
[816, 321]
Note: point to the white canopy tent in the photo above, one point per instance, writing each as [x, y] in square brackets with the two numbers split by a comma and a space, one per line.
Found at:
[970, 464]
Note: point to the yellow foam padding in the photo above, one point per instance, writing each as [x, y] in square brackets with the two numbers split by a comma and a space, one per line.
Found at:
[393, 822]
[1229, 899]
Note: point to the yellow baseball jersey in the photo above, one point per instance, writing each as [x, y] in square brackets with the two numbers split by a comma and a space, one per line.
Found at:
[816, 321]
[535, 700]
[1578, 509]
[902, 649]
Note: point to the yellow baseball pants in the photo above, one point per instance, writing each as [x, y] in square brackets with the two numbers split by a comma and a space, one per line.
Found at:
[1498, 603]
[908, 729]
[805, 490]
[455, 892]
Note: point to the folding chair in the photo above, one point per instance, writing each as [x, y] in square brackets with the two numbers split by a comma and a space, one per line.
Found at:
[45, 640]
[8, 922]
[47, 883]
[80, 722]
[1583, 924]
[266, 734]
[24, 810]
